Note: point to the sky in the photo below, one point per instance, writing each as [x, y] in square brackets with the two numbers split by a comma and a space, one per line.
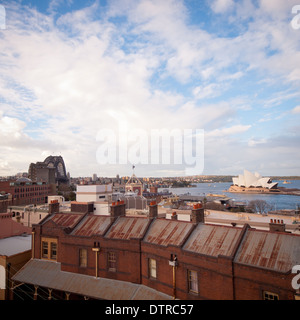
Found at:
[92, 80]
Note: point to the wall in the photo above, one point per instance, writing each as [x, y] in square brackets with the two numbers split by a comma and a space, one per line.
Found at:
[6, 273]
[251, 282]
[218, 277]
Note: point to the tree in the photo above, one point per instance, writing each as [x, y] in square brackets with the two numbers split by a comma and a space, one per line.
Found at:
[259, 206]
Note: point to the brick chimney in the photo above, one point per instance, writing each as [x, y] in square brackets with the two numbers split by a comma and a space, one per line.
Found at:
[277, 225]
[118, 209]
[153, 211]
[53, 207]
[197, 215]
[82, 207]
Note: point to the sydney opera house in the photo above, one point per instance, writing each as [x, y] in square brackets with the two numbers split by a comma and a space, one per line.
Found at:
[252, 183]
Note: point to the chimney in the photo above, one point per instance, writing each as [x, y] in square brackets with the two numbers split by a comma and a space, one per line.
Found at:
[277, 225]
[174, 216]
[82, 207]
[153, 211]
[118, 209]
[197, 215]
[53, 207]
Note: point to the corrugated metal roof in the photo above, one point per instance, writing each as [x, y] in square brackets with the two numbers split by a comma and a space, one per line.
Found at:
[14, 245]
[48, 274]
[66, 219]
[168, 232]
[276, 251]
[92, 225]
[213, 240]
[126, 228]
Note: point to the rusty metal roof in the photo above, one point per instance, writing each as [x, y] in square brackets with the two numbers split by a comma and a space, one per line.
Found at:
[92, 225]
[213, 240]
[168, 232]
[48, 274]
[126, 228]
[66, 219]
[271, 250]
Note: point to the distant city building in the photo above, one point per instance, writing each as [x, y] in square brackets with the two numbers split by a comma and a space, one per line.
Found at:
[24, 191]
[93, 193]
[134, 185]
[40, 172]
[52, 171]
[98, 196]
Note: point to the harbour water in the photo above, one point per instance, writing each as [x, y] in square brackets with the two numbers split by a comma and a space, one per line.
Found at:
[277, 201]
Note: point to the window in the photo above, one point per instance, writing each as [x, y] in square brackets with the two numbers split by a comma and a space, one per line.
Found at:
[112, 261]
[270, 296]
[152, 268]
[193, 281]
[83, 258]
[49, 249]
[53, 251]
[45, 250]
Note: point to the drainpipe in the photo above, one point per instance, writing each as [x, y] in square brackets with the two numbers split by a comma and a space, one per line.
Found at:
[32, 243]
[173, 263]
[96, 249]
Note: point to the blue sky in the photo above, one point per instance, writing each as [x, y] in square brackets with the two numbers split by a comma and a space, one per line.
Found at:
[69, 69]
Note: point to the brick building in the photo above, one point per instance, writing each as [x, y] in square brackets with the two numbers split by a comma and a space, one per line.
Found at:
[81, 255]
[24, 191]
[5, 201]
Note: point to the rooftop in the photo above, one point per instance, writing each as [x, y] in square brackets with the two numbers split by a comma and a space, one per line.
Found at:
[126, 228]
[213, 240]
[14, 245]
[168, 232]
[66, 219]
[49, 275]
[271, 250]
[11, 228]
[92, 225]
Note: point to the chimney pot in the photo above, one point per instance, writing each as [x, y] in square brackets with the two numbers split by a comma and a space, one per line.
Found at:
[153, 210]
[118, 209]
[197, 215]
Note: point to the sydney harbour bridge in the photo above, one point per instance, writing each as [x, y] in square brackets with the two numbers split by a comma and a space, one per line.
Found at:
[58, 163]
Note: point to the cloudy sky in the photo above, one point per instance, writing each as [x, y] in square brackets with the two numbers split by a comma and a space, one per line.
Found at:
[72, 70]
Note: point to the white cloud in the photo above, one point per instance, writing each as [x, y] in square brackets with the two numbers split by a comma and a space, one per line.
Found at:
[208, 91]
[222, 6]
[255, 142]
[10, 129]
[65, 79]
[237, 129]
[296, 110]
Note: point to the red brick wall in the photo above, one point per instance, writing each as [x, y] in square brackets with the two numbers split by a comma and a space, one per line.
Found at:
[251, 282]
[218, 277]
